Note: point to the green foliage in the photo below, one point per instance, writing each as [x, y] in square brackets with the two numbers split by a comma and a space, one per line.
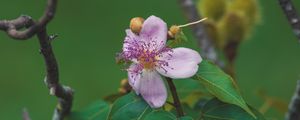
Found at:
[160, 115]
[185, 87]
[164, 115]
[218, 110]
[129, 107]
[190, 91]
[220, 85]
[96, 111]
[192, 112]
[186, 118]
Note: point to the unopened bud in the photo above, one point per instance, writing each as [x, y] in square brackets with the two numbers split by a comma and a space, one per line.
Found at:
[249, 8]
[124, 82]
[213, 9]
[124, 87]
[136, 24]
[174, 29]
[233, 28]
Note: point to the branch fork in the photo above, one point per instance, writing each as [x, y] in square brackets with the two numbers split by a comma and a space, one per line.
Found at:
[39, 28]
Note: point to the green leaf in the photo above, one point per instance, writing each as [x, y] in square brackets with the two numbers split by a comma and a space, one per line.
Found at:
[190, 91]
[218, 110]
[186, 118]
[129, 107]
[96, 111]
[192, 113]
[220, 85]
[160, 115]
[185, 87]
[189, 112]
[164, 115]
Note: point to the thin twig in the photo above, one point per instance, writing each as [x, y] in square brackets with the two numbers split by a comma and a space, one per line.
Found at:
[294, 106]
[294, 20]
[208, 49]
[170, 103]
[64, 93]
[292, 16]
[13, 29]
[176, 100]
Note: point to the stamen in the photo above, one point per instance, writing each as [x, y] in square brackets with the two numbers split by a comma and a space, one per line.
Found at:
[146, 53]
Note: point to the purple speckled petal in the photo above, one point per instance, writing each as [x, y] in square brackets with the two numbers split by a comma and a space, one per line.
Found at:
[182, 63]
[131, 46]
[153, 89]
[134, 76]
[130, 38]
[154, 31]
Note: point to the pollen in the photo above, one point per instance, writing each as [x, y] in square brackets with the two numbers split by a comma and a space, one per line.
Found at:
[148, 59]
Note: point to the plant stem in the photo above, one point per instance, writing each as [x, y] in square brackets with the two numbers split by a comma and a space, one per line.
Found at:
[176, 100]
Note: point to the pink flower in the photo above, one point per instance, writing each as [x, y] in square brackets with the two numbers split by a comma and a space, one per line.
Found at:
[152, 58]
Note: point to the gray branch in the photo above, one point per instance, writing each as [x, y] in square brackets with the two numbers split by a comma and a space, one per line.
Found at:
[294, 20]
[292, 16]
[208, 49]
[13, 29]
[294, 106]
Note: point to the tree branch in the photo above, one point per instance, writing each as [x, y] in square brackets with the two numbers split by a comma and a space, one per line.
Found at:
[176, 100]
[294, 106]
[292, 16]
[12, 27]
[64, 93]
[208, 49]
[294, 20]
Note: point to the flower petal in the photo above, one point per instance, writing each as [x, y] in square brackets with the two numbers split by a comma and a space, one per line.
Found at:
[152, 88]
[154, 31]
[131, 46]
[134, 76]
[130, 37]
[181, 63]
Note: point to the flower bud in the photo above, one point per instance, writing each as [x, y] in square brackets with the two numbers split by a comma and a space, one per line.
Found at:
[212, 9]
[136, 24]
[174, 29]
[232, 27]
[124, 87]
[250, 9]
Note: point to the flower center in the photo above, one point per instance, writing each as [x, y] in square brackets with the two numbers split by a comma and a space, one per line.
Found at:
[148, 59]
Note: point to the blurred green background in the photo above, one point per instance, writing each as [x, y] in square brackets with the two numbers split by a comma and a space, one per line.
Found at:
[91, 32]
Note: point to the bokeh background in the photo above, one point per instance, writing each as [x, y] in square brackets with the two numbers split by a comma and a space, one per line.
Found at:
[91, 32]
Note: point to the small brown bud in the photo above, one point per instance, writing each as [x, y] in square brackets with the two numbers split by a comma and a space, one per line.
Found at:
[136, 24]
[174, 29]
[124, 82]
[124, 87]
